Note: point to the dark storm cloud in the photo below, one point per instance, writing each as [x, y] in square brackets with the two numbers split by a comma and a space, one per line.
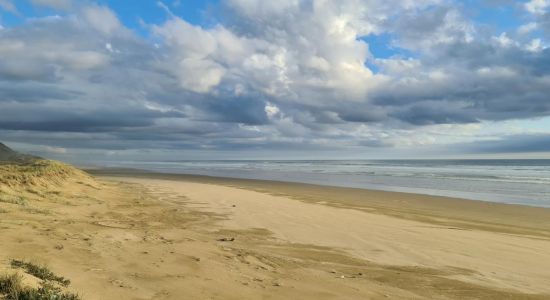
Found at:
[512, 144]
[434, 113]
[35, 92]
[26, 70]
[74, 125]
[47, 119]
[234, 110]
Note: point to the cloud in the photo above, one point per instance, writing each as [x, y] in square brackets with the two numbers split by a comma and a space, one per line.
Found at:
[102, 19]
[56, 150]
[433, 27]
[192, 48]
[285, 75]
[514, 143]
[527, 28]
[57, 4]
[8, 6]
[537, 7]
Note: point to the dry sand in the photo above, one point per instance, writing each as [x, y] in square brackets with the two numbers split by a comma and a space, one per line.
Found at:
[148, 236]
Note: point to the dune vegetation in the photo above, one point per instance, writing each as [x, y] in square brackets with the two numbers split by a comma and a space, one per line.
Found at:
[28, 185]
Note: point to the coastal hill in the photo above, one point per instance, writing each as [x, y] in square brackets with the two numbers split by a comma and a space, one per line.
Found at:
[22, 171]
[7, 155]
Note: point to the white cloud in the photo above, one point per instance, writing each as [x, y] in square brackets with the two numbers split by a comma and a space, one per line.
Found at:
[192, 48]
[504, 40]
[42, 57]
[109, 47]
[102, 19]
[537, 7]
[192, 40]
[292, 50]
[527, 28]
[271, 110]
[165, 8]
[535, 45]
[199, 75]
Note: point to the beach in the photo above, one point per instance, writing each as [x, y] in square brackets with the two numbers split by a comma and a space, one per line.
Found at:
[277, 150]
[142, 235]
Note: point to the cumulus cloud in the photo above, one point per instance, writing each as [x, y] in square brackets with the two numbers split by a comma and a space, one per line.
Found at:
[42, 55]
[101, 18]
[290, 74]
[527, 28]
[537, 7]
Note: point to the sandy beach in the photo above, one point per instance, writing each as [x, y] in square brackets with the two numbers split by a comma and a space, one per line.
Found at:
[139, 235]
[277, 150]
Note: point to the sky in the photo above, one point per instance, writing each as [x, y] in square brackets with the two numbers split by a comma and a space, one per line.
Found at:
[113, 80]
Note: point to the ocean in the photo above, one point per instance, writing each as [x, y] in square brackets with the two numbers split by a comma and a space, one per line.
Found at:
[505, 181]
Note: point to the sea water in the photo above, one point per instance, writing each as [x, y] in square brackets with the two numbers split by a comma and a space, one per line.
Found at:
[506, 181]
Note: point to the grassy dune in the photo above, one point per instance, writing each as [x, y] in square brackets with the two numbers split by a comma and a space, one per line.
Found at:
[36, 180]
[38, 173]
[30, 187]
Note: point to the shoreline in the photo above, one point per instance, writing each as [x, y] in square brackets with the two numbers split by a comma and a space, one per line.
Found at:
[451, 194]
[498, 217]
[507, 181]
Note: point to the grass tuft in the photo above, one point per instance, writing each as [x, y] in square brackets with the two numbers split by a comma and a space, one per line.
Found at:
[11, 288]
[10, 285]
[41, 272]
[6, 198]
[38, 211]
